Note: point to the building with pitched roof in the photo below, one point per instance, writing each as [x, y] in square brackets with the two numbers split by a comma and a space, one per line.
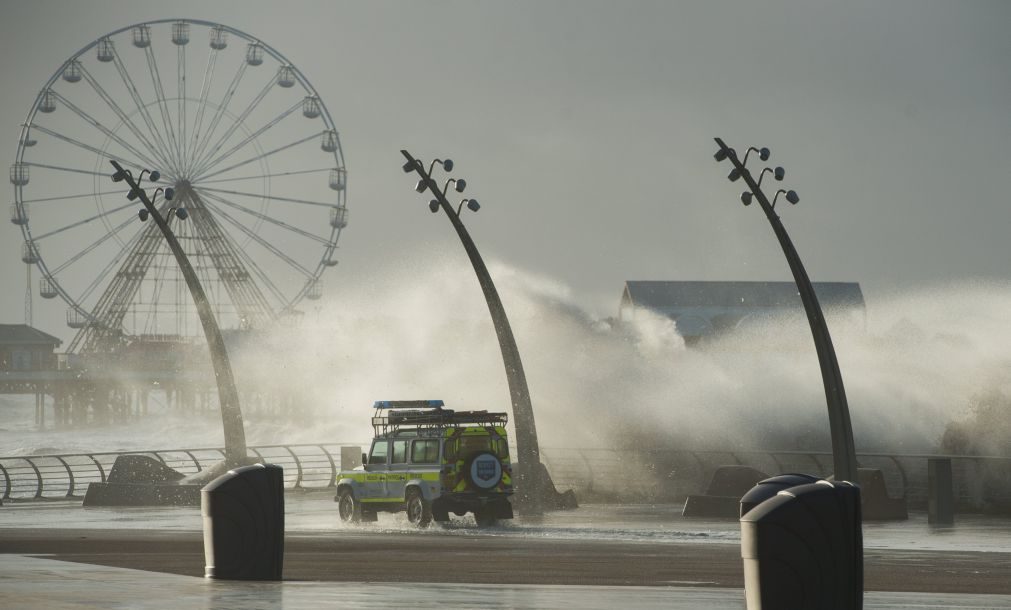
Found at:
[23, 348]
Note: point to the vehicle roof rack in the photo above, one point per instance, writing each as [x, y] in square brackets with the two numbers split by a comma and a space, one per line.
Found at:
[428, 415]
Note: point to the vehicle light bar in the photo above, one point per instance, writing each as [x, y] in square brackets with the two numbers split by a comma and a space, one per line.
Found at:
[409, 404]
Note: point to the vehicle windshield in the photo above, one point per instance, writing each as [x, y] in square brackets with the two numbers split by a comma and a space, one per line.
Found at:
[378, 454]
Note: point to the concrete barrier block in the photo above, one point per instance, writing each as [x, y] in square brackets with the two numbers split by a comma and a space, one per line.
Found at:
[940, 492]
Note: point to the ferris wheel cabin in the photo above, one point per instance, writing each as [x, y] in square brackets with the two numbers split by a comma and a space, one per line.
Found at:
[286, 76]
[329, 141]
[47, 289]
[254, 54]
[29, 252]
[219, 38]
[19, 174]
[72, 73]
[338, 217]
[180, 33]
[105, 51]
[48, 102]
[19, 214]
[142, 36]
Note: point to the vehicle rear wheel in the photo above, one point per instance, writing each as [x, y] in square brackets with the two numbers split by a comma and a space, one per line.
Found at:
[485, 517]
[349, 509]
[419, 511]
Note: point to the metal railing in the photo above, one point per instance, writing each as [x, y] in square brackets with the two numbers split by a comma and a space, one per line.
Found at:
[631, 474]
[980, 482]
[41, 477]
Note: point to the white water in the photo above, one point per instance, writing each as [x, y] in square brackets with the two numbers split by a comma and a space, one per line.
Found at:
[424, 332]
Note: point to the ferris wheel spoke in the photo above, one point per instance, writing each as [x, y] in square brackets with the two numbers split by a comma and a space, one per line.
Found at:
[181, 97]
[114, 263]
[235, 124]
[82, 222]
[138, 101]
[66, 169]
[262, 216]
[163, 106]
[270, 197]
[142, 109]
[98, 242]
[262, 176]
[114, 302]
[216, 119]
[258, 157]
[260, 240]
[211, 163]
[255, 267]
[108, 132]
[160, 273]
[111, 102]
[79, 144]
[252, 264]
[76, 196]
[205, 89]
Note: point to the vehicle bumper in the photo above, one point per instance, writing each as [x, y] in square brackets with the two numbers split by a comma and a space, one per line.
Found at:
[470, 502]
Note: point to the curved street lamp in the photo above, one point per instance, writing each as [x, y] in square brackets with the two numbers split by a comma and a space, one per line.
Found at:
[228, 396]
[531, 484]
[844, 459]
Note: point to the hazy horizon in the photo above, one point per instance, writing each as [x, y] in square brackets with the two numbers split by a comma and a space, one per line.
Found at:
[586, 128]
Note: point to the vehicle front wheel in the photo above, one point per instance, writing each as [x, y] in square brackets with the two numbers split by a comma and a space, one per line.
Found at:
[419, 511]
[349, 509]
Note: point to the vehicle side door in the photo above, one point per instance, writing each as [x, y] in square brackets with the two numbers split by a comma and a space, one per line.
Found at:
[425, 464]
[399, 469]
[376, 470]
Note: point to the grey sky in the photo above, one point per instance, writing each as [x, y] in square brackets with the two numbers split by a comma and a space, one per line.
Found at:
[585, 129]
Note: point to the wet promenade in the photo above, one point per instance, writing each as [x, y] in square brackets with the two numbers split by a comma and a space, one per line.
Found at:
[60, 555]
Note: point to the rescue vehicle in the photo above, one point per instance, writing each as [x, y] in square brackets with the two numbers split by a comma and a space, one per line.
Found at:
[430, 461]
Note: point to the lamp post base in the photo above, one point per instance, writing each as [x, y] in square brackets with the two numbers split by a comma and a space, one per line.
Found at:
[536, 492]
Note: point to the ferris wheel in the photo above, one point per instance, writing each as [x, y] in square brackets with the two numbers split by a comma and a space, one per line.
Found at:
[233, 127]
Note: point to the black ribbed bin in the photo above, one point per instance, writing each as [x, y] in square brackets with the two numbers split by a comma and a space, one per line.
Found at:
[243, 513]
[803, 549]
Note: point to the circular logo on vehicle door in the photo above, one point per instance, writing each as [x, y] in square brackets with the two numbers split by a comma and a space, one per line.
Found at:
[485, 470]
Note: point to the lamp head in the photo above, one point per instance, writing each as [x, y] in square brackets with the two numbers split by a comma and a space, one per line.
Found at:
[421, 185]
[792, 197]
[460, 185]
[132, 195]
[734, 175]
[154, 176]
[764, 154]
[143, 214]
[473, 205]
[720, 155]
[169, 193]
[780, 173]
[746, 197]
[119, 175]
[409, 166]
[182, 214]
[447, 165]
[433, 205]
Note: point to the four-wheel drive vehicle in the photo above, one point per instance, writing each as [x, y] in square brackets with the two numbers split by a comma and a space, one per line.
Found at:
[430, 461]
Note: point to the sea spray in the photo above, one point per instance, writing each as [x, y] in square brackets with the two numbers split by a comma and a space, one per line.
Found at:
[424, 332]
